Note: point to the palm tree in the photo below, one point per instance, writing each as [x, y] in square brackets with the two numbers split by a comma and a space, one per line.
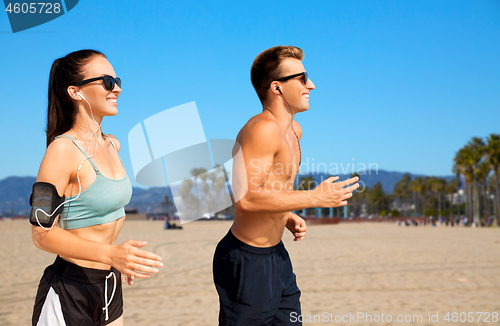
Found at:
[167, 203]
[198, 173]
[417, 187]
[490, 189]
[377, 197]
[493, 158]
[462, 167]
[477, 148]
[402, 191]
[353, 206]
[482, 172]
[452, 188]
[437, 187]
[429, 198]
[214, 184]
[190, 203]
[465, 163]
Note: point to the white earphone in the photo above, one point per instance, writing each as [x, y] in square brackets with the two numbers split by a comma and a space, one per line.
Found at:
[81, 96]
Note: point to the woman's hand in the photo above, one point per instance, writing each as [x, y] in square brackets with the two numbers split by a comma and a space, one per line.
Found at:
[132, 261]
[127, 279]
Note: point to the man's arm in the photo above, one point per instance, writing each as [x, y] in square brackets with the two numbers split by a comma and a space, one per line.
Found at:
[259, 143]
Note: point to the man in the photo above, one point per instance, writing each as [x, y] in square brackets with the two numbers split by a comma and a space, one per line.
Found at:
[252, 270]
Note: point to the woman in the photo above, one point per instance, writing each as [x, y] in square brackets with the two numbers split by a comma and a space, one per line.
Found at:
[82, 286]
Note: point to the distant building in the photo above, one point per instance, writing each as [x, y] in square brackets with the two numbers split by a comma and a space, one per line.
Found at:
[457, 198]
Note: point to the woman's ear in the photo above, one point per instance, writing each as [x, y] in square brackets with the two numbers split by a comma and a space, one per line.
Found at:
[73, 93]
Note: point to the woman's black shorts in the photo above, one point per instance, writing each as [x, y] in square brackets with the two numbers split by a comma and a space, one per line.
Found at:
[69, 294]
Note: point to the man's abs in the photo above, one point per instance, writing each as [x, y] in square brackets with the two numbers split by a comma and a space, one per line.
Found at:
[259, 230]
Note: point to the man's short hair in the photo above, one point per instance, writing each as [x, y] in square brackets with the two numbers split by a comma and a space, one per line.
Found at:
[267, 67]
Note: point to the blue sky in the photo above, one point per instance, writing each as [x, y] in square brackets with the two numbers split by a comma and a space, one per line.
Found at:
[401, 84]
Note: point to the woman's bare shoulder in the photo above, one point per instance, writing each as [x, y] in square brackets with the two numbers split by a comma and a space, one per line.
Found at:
[58, 163]
[115, 141]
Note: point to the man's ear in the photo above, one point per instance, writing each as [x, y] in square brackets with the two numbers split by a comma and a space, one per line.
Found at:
[275, 88]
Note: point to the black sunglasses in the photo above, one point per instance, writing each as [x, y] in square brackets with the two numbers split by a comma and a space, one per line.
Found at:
[293, 76]
[109, 82]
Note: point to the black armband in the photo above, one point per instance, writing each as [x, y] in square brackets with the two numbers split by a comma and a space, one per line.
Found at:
[44, 200]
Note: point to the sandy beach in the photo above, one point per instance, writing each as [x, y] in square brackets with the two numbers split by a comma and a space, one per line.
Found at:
[344, 270]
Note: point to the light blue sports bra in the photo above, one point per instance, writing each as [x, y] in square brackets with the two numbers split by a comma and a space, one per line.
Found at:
[102, 202]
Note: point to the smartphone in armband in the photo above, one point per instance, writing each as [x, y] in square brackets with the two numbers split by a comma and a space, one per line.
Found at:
[44, 200]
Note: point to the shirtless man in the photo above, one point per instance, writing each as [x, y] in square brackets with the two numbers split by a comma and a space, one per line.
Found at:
[252, 270]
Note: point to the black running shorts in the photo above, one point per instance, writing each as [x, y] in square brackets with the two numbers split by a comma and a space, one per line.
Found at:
[256, 286]
[69, 294]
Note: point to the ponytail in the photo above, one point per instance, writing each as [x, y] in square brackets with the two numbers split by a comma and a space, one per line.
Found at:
[62, 110]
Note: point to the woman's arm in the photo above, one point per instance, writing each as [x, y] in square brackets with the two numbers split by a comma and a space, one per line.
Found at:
[58, 167]
[126, 257]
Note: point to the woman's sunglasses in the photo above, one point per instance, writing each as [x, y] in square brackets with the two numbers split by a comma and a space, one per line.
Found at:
[109, 82]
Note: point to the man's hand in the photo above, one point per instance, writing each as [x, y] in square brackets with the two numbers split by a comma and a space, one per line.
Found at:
[297, 226]
[334, 194]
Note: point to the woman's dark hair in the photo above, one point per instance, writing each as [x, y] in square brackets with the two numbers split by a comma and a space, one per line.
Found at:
[62, 110]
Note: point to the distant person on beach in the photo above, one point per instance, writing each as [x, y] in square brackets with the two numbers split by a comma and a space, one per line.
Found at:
[252, 270]
[83, 285]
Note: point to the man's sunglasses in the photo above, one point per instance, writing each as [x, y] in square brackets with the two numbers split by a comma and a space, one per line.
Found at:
[109, 82]
[293, 76]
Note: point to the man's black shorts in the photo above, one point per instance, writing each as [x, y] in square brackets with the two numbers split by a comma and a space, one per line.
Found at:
[256, 286]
